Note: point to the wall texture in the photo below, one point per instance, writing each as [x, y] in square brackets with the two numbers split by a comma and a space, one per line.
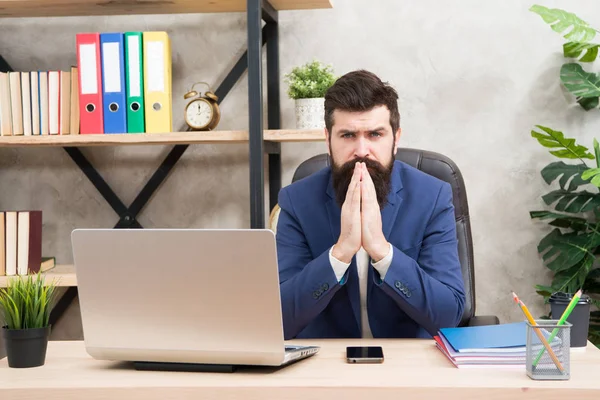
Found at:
[473, 78]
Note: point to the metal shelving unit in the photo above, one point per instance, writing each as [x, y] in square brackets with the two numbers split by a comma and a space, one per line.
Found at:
[259, 139]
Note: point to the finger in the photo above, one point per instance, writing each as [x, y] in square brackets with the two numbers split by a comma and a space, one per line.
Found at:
[367, 181]
[366, 195]
[370, 183]
[356, 196]
[367, 175]
[352, 185]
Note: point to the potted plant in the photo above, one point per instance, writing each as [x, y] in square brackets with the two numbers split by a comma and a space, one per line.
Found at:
[25, 305]
[572, 247]
[308, 84]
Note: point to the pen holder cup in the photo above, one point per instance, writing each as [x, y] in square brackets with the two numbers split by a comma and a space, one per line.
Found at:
[542, 364]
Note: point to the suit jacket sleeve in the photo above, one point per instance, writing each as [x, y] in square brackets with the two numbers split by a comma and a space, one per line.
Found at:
[430, 290]
[307, 283]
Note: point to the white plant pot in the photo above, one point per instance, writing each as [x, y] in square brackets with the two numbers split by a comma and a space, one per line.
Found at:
[310, 113]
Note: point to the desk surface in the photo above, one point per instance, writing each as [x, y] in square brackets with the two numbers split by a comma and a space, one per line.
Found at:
[412, 369]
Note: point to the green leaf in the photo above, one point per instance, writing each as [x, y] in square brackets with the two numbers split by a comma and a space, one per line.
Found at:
[597, 152]
[563, 251]
[579, 82]
[572, 202]
[569, 174]
[561, 220]
[567, 224]
[555, 139]
[590, 173]
[560, 20]
[588, 103]
[572, 279]
[544, 290]
[563, 256]
[574, 50]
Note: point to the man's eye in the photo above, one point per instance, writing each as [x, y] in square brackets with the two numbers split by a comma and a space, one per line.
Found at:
[375, 134]
[348, 135]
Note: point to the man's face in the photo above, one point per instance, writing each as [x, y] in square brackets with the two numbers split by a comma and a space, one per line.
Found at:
[362, 136]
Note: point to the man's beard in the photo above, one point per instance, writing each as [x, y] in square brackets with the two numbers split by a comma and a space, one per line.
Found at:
[380, 174]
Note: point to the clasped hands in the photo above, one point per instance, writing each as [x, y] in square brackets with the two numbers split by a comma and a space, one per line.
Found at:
[360, 220]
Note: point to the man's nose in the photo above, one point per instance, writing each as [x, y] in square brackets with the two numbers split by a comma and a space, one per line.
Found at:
[362, 148]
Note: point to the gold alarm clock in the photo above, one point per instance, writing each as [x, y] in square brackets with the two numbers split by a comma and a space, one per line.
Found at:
[202, 113]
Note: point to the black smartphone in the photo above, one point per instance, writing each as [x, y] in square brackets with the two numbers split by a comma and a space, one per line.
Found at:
[364, 354]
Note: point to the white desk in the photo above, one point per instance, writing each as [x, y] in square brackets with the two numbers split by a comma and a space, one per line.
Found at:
[413, 369]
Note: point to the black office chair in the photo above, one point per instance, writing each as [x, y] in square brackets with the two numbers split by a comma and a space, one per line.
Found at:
[445, 169]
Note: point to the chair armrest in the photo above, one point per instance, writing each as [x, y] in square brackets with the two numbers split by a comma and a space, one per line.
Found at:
[484, 320]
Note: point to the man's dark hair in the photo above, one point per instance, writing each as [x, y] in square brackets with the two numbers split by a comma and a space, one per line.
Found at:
[361, 91]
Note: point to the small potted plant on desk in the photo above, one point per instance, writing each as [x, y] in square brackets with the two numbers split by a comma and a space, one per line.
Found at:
[308, 84]
[25, 306]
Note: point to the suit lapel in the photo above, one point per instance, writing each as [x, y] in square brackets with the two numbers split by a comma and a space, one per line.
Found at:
[390, 210]
[334, 212]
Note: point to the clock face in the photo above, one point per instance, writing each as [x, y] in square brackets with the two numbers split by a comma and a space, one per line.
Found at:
[199, 113]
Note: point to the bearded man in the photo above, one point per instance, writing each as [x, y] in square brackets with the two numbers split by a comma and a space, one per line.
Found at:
[367, 247]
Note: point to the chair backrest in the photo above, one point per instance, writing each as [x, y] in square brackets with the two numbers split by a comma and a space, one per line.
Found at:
[443, 168]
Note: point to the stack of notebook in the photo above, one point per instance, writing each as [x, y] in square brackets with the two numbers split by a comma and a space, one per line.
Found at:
[490, 346]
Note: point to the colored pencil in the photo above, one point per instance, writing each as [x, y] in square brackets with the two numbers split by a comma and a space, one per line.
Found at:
[561, 321]
[537, 330]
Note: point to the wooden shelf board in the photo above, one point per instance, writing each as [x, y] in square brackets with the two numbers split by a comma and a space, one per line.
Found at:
[213, 137]
[294, 135]
[124, 139]
[64, 273]
[63, 8]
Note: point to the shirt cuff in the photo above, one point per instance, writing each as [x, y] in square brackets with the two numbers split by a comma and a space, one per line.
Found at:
[383, 265]
[339, 267]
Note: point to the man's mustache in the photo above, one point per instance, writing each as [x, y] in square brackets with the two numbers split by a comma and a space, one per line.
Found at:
[380, 175]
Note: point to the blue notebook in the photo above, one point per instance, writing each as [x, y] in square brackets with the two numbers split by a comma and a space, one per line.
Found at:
[472, 338]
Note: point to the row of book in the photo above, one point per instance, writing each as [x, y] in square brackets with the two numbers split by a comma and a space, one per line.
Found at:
[20, 242]
[125, 82]
[39, 103]
[122, 84]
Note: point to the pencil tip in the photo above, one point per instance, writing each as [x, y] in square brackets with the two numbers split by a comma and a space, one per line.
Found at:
[578, 294]
[515, 297]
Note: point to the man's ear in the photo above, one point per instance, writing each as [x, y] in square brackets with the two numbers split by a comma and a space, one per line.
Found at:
[327, 141]
[397, 140]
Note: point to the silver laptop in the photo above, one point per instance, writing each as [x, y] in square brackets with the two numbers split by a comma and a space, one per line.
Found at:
[200, 296]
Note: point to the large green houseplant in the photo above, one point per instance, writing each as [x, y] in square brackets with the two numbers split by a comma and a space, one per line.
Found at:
[571, 249]
[25, 306]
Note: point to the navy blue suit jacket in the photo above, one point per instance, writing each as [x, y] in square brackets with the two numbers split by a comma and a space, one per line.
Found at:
[423, 288]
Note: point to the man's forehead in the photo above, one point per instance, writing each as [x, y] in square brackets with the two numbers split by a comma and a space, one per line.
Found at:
[374, 118]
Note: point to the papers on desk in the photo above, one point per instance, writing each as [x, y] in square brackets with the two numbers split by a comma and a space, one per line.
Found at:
[490, 346]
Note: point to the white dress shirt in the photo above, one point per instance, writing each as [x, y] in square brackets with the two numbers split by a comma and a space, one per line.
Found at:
[362, 265]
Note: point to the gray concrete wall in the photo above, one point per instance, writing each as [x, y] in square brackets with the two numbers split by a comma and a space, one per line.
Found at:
[473, 78]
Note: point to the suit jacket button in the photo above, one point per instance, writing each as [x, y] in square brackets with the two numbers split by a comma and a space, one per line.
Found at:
[316, 294]
[325, 287]
[398, 284]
